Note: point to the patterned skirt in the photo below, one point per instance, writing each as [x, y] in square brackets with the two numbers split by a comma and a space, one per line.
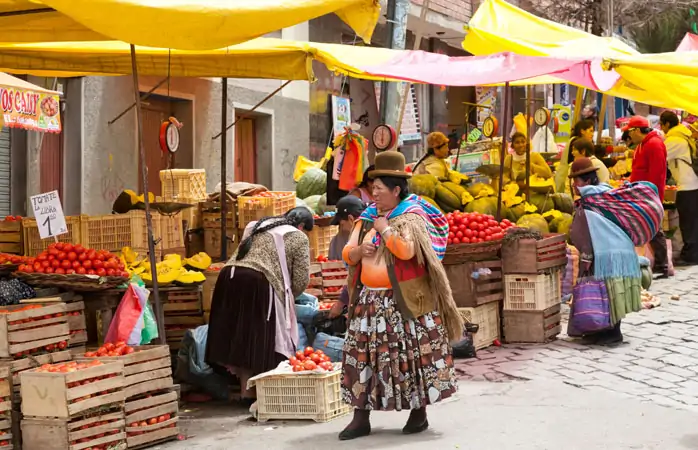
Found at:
[393, 364]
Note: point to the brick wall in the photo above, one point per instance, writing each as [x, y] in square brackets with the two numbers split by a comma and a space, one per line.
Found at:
[460, 10]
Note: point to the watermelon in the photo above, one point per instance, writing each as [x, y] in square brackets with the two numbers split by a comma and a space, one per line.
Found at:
[646, 277]
[535, 222]
[312, 204]
[563, 202]
[313, 182]
[322, 206]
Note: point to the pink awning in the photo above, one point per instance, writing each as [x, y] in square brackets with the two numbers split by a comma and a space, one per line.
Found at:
[689, 43]
[432, 68]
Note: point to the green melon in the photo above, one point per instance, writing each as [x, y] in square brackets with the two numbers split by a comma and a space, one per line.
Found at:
[543, 202]
[516, 212]
[535, 222]
[447, 199]
[424, 185]
[555, 223]
[313, 182]
[563, 203]
[486, 205]
[457, 189]
[476, 188]
[312, 203]
[322, 207]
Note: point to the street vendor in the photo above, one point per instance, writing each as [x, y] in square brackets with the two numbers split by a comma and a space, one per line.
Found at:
[434, 161]
[515, 165]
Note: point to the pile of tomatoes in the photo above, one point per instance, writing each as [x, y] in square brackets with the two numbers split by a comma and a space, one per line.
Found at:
[147, 423]
[110, 349]
[7, 258]
[322, 259]
[473, 228]
[69, 259]
[97, 435]
[50, 348]
[69, 367]
[309, 360]
[13, 218]
[325, 306]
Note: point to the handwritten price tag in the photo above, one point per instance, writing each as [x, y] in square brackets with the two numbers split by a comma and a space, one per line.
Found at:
[49, 214]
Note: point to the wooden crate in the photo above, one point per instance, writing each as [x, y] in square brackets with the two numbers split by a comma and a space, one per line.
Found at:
[190, 217]
[49, 395]
[76, 315]
[183, 183]
[11, 239]
[18, 366]
[334, 275]
[208, 287]
[320, 238]
[33, 244]
[7, 436]
[172, 232]
[25, 331]
[6, 393]
[487, 318]
[138, 411]
[470, 292]
[211, 215]
[531, 256]
[147, 367]
[182, 302]
[532, 326]
[212, 242]
[251, 209]
[104, 431]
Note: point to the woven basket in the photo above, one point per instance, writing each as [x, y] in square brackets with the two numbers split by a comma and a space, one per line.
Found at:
[78, 283]
[460, 253]
[7, 269]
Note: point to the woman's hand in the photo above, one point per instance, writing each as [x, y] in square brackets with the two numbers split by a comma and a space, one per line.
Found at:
[380, 224]
[336, 310]
[368, 249]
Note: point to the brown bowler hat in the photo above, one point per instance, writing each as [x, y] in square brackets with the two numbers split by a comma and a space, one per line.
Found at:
[581, 166]
[389, 164]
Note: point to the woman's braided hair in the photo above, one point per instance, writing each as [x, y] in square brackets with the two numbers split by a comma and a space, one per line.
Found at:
[294, 218]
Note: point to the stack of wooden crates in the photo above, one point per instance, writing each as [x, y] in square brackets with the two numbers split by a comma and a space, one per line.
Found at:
[476, 282]
[183, 311]
[533, 272]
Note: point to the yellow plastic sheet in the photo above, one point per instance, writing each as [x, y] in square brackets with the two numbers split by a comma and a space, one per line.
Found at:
[498, 26]
[182, 24]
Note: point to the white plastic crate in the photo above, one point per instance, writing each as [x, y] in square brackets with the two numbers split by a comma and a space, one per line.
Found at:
[532, 292]
[313, 396]
[487, 318]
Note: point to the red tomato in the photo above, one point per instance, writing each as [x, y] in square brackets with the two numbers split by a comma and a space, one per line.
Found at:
[466, 241]
[72, 256]
[110, 272]
[101, 272]
[300, 355]
[97, 264]
[82, 256]
[308, 351]
[48, 270]
[90, 272]
[28, 269]
[91, 254]
[81, 271]
[87, 264]
[459, 235]
[60, 271]
[42, 257]
[456, 241]
[61, 255]
[309, 365]
[65, 264]
[69, 271]
[293, 361]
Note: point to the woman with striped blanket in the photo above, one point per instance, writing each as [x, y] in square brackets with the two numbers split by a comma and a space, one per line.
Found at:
[401, 313]
[606, 252]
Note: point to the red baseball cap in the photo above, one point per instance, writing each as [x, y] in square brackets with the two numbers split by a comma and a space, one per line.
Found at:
[636, 122]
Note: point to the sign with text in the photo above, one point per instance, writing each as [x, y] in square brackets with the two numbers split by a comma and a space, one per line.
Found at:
[30, 110]
[49, 214]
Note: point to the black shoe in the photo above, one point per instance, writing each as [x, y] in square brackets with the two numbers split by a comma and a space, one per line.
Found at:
[349, 434]
[611, 339]
[662, 276]
[412, 429]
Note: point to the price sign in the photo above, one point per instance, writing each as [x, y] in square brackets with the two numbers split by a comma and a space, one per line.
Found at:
[49, 214]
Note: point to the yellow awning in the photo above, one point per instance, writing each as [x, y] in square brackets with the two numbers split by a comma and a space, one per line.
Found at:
[498, 26]
[182, 24]
[259, 58]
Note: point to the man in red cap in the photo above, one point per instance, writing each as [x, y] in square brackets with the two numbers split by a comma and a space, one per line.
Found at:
[650, 164]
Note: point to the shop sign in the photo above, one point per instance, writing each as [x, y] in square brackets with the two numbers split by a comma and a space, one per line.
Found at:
[49, 214]
[30, 110]
[341, 114]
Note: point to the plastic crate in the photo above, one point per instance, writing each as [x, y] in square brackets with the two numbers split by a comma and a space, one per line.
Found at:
[116, 231]
[251, 209]
[315, 397]
[320, 239]
[487, 318]
[183, 184]
[532, 292]
[33, 244]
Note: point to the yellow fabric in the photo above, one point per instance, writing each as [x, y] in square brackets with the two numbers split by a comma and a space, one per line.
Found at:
[258, 58]
[498, 26]
[434, 166]
[182, 24]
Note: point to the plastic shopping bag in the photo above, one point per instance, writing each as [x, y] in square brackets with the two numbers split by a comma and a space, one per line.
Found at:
[591, 310]
[128, 322]
[150, 326]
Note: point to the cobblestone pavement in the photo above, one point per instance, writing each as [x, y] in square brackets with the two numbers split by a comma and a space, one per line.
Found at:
[657, 363]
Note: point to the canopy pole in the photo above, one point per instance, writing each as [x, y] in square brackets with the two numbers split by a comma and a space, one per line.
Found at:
[602, 117]
[563, 168]
[503, 150]
[408, 86]
[254, 108]
[529, 114]
[224, 170]
[148, 218]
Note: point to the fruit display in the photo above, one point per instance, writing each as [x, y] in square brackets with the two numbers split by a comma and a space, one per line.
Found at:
[99, 432]
[69, 259]
[170, 270]
[534, 222]
[473, 228]
[325, 306]
[313, 182]
[110, 349]
[7, 258]
[13, 218]
[311, 360]
[149, 422]
[70, 367]
[14, 290]
[201, 261]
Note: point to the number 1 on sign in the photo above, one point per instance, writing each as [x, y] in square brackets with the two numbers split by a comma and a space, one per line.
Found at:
[47, 224]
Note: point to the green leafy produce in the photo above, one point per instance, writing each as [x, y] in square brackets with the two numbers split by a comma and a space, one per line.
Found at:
[313, 182]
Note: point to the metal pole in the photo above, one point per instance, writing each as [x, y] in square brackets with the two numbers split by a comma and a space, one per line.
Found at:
[133, 105]
[148, 219]
[529, 114]
[503, 151]
[390, 99]
[602, 117]
[224, 171]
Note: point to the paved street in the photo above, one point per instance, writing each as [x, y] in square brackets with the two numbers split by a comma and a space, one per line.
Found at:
[640, 395]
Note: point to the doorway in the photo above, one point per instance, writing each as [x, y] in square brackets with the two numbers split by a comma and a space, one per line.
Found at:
[51, 163]
[245, 150]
